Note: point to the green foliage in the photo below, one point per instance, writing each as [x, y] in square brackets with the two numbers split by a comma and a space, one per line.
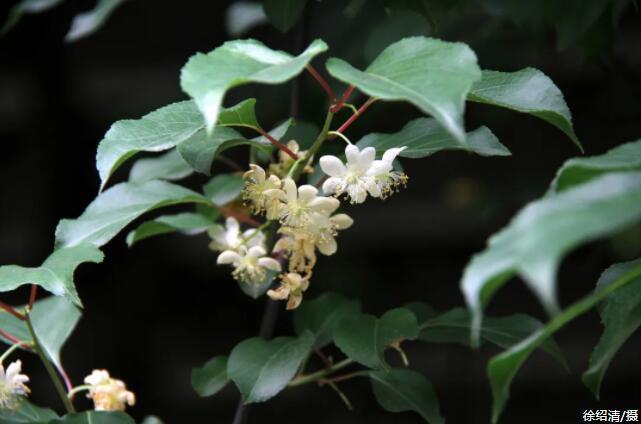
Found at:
[502, 368]
[94, 417]
[364, 338]
[53, 319]
[207, 77]
[406, 390]
[25, 7]
[211, 377]
[224, 188]
[27, 412]
[113, 209]
[454, 327]
[621, 316]
[528, 91]
[55, 274]
[283, 14]
[626, 157]
[534, 242]
[168, 166]
[322, 315]
[424, 137]
[187, 223]
[159, 130]
[433, 75]
[262, 368]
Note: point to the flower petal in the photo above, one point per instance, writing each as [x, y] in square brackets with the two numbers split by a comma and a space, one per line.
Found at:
[307, 193]
[258, 173]
[352, 153]
[379, 167]
[342, 221]
[269, 263]
[325, 205]
[333, 185]
[232, 225]
[332, 166]
[256, 252]
[226, 257]
[365, 158]
[289, 186]
[328, 246]
[357, 193]
[391, 154]
[373, 189]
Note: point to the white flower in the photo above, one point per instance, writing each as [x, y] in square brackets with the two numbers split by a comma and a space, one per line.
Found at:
[12, 385]
[108, 394]
[291, 288]
[229, 237]
[255, 188]
[302, 202]
[324, 229]
[250, 265]
[362, 174]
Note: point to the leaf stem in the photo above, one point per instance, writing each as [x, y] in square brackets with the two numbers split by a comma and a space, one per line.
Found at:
[340, 394]
[318, 375]
[276, 143]
[328, 90]
[76, 390]
[50, 370]
[355, 116]
[10, 309]
[340, 135]
[16, 345]
[343, 377]
[339, 105]
[32, 296]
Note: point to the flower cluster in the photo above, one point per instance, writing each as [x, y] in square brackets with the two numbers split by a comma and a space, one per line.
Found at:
[108, 394]
[12, 385]
[308, 220]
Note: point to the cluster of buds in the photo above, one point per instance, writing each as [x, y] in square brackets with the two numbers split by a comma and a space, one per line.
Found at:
[107, 393]
[307, 218]
[12, 385]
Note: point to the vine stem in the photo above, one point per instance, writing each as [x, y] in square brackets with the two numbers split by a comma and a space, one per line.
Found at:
[50, 370]
[276, 143]
[318, 375]
[355, 116]
[10, 337]
[339, 105]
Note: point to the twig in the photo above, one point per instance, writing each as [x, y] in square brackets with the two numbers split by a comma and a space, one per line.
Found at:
[10, 309]
[339, 105]
[355, 116]
[322, 82]
[277, 144]
[32, 296]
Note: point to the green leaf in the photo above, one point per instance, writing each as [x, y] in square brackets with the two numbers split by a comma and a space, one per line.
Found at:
[169, 166]
[224, 188]
[424, 137]
[186, 223]
[207, 77]
[200, 150]
[454, 327]
[364, 338]
[211, 377]
[55, 274]
[534, 242]
[26, 412]
[528, 91]
[242, 114]
[24, 7]
[262, 368]
[406, 390]
[502, 368]
[95, 417]
[112, 210]
[241, 17]
[621, 316]
[626, 157]
[283, 14]
[85, 24]
[53, 319]
[433, 75]
[322, 315]
[159, 130]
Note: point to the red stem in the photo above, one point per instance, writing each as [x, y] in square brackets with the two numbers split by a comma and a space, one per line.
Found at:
[278, 144]
[355, 116]
[322, 82]
[32, 296]
[13, 339]
[339, 105]
[12, 311]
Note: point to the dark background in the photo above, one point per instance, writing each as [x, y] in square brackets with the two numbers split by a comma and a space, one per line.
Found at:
[155, 311]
